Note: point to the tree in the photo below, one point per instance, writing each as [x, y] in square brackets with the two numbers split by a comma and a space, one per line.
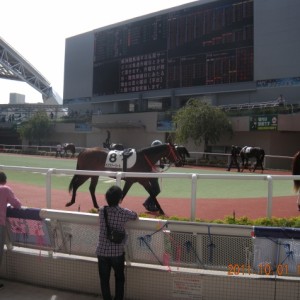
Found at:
[37, 129]
[201, 121]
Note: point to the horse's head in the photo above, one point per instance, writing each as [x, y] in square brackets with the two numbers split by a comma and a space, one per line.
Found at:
[163, 152]
[176, 156]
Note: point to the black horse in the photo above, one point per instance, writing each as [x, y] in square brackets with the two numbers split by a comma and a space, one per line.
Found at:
[69, 147]
[252, 152]
[99, 159]
[183, 152]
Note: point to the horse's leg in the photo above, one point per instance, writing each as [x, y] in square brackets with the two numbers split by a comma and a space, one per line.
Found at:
[156, 202]
[126, 188]
[149, 204]
[298, 201]
[243, 164]
[92, 188]
[261, 165]
[247, 164]
[258, 163]
[75, 183]
[147, 185]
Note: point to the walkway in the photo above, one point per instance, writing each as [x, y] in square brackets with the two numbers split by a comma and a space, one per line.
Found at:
[20, 291]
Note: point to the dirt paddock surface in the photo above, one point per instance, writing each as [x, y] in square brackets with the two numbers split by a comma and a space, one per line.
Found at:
[206, 209]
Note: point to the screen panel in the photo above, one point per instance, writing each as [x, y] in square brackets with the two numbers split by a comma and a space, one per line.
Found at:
[205, 44]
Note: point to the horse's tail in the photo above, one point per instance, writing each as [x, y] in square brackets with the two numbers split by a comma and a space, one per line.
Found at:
[296, 170]
[71, 185]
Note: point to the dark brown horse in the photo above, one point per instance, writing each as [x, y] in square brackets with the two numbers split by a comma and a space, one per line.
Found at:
[69, 147]
[296, 171]
[99, 159]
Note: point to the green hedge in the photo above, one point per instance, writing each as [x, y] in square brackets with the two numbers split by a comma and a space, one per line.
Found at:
[272, 222]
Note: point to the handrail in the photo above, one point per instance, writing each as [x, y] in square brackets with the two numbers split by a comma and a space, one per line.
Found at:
[194, 177]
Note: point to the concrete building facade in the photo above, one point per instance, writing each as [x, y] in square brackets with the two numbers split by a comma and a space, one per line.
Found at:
[225, 52]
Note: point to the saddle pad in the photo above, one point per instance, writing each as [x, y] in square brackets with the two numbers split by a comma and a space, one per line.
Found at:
[115, 160]
[248, 150]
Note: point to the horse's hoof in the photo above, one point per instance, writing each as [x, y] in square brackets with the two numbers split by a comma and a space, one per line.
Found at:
[298, 207]
[151, 208]
[69, 204]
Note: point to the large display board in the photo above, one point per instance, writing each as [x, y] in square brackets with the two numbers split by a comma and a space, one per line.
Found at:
[204, 44]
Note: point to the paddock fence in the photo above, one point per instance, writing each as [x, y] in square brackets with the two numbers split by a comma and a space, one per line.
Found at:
[164, 259]
[196, 158]
[194, 179]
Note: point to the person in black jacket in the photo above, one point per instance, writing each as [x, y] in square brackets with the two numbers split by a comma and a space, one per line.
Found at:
[235, 152]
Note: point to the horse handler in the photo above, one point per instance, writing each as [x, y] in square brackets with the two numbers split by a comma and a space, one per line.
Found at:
[58, 150]
[234, 158]
[149, 204]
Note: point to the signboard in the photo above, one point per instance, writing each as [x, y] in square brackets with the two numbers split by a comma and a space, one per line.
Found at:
[266, 122]
[204, 44]
[25, 227]
[186, 286]
[83, 127]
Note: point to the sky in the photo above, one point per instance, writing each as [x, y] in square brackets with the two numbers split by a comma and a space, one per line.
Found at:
[37, 29]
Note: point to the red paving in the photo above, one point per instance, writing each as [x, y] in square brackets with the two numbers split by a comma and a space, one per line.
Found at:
[206, 209]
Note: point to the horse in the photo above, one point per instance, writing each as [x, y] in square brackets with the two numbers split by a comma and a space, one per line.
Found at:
[69, 147]
[252, 152]
[129, 160]
[183, 153]
[296, 171]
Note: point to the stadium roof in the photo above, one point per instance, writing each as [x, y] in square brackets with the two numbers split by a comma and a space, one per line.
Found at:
[15, 67]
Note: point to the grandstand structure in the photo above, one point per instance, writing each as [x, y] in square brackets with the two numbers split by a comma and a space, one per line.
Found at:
[235, 54]
[132, 76]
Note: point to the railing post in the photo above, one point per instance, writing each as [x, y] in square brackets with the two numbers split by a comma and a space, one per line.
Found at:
[193, 197]
[118, 179]
[48, 187]
[270, 196]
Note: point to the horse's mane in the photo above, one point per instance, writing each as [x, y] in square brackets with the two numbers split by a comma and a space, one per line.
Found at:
[296, 170]
[153, 149]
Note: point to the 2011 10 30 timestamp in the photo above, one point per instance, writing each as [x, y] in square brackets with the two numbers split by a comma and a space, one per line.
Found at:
[262, 269]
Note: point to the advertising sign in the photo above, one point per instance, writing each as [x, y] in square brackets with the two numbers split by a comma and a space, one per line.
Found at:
[266, 122]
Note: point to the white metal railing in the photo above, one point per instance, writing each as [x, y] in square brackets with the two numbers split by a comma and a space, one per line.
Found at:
[226, 156]
[193, 177]
[270, 161]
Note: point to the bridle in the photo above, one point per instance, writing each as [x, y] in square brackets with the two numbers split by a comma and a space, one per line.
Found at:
[172, 153]
[176, 159]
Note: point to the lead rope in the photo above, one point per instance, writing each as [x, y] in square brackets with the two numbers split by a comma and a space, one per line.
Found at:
[152, 166]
